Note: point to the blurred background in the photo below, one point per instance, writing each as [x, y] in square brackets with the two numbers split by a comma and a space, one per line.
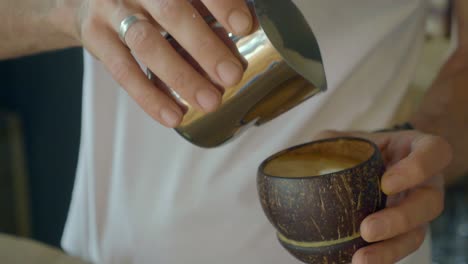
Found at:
[40, 112]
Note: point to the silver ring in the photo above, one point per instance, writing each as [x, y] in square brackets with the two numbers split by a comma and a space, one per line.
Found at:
[127, 23]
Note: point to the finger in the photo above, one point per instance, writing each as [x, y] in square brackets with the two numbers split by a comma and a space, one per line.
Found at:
[184, 23]
[234, 15]
[428, 157]
[203, 10]
[154, 51]
[227, 40]
[420, 206]
[126, 71]
[223, 35]
[391, 251]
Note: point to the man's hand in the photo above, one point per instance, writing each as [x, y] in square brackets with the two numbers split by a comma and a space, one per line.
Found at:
[208, 64]
[414, 185]
[219, 65]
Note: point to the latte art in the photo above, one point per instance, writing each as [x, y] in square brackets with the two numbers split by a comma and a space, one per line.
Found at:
[309, 164]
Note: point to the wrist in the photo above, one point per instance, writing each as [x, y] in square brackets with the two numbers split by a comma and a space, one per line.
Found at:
[64, 17]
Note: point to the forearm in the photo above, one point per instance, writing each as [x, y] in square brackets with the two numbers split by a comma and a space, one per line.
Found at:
[444, 109]
[443, 112]
[461, 13]
[33, 26]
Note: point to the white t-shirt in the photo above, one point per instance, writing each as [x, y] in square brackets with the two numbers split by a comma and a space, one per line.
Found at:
[145, 195]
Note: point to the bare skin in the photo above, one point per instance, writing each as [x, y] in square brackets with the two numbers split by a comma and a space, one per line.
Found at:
[413, 180]
[417, 159]
[444, 109]
[38, 26]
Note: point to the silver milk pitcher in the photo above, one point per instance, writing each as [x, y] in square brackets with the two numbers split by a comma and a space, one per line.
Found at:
[284, 68]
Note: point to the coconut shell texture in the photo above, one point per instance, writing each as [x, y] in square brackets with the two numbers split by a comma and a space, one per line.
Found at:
[319, 217]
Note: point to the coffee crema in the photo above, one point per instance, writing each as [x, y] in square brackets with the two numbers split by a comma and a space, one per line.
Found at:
[308, 165]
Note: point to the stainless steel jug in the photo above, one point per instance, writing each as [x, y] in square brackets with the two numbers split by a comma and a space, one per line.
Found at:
[284, 68]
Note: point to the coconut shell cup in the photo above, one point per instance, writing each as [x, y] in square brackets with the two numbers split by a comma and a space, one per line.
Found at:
[317, 217]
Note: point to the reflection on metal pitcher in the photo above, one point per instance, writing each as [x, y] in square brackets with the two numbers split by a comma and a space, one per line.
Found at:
[284, 68]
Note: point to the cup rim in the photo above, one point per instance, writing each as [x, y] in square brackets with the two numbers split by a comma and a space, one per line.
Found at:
[375, 153]
[272, 35]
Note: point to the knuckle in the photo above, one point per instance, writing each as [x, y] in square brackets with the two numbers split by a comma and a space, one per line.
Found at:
[404, 222]
[146, 101]
[206, 45]
[120, 69]
[138, 36]
[179, 82]
[166, 8]
[417, 173]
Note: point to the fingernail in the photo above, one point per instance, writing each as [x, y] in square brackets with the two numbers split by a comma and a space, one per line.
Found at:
[229, 72]
[391, 184]
[207, 99]
[374, 230]
[239, 21]
[170, 117]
